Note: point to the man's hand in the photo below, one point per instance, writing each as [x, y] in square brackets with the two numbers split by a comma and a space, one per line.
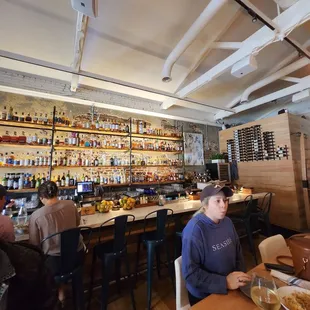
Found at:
[11, 204]
[237, 279]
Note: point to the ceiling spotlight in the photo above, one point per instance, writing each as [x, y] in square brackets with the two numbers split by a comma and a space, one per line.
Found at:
[254, 19]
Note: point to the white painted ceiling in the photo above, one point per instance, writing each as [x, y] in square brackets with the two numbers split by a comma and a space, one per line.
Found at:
[130, 41]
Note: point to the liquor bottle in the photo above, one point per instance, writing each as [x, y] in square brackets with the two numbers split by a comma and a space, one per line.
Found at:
[35, 118]
[140, 131]
[79, 160]
[21, 181]
[28, 118]
[4, 182]
[4, 114]
[45, 119]
[67, 180]
[112, 161]
[58, 181]
[40, 119]
[15, 117]
[127, 128]
[96, 162]
[22, 117]
[10, 181]
[75, 180]
[33, 182]
[38, 181]
[63, 180]
[15, 181]
[9, 116]
[43, 178]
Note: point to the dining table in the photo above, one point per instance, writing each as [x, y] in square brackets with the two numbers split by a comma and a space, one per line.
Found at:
[235, 299]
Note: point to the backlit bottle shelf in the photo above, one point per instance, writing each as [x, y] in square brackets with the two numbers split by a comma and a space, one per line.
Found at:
[154, 151]
[84, 148]
[35, 146]
[25, 125]
[23, 167]
[76, 166]
[146, 136]
[91, 131]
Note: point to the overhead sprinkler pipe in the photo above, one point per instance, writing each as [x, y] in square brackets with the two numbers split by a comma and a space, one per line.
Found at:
[210, 11]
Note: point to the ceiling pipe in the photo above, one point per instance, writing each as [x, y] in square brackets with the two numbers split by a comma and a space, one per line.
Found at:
[304, 84]
[273, 77]
[212, 9]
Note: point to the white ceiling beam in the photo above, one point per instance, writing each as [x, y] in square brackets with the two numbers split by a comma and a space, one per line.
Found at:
[229, 16]
[291, 79]
[226, 45]
[304, 84]
[286, 22]
[80, 36]
[287, 60]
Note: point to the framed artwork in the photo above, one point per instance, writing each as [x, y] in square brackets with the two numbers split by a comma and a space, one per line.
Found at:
[193, 149]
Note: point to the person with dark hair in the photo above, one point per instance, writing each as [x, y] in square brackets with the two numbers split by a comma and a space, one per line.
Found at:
[6, 225]
[55, 216]
[212, 260]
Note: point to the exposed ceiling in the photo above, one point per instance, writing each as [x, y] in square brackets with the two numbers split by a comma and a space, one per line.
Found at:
[131, 39]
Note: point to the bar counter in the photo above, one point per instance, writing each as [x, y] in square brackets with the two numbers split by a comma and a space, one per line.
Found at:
[179, 207]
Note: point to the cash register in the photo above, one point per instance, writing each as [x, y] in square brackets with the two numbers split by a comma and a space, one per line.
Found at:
[86, 194]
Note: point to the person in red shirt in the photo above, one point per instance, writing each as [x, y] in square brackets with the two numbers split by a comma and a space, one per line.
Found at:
[6, 225]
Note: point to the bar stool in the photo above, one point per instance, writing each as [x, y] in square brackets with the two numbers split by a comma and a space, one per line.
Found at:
[70, 262]
[152, 240]
[263, 211]
[245, 219]
[112, 252]
[179, 226]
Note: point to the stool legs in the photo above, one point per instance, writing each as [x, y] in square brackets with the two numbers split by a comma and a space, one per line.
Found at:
[118, 274]
[90, 290]
[77, 289]
[137, 258]
[130, 283]
[170, 267]
[157, 251]
[106, 272]
[150, 262]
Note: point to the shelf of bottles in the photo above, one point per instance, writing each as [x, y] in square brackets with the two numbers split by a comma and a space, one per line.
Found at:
[110, 152]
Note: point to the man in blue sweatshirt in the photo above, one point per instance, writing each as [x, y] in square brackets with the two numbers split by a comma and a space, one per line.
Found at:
[212, 260]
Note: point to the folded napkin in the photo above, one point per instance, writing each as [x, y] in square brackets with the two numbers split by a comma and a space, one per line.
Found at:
[290, 280]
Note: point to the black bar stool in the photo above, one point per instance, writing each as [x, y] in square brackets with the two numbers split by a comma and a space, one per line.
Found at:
[263, 211]
[245, 219]
[152, 240]
[111, 252]
[69, 264]
[179, 226]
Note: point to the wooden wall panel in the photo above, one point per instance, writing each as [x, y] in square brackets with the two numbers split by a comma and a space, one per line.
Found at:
[277, 176]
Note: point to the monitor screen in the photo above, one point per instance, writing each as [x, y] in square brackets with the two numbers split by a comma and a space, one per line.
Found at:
[85, 187]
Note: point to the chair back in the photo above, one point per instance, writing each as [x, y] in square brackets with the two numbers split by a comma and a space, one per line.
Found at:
[249, 206]
[182, 302]
[122, 231]
[162, 222]
[69, 241]
[266, 203]
[272, 247]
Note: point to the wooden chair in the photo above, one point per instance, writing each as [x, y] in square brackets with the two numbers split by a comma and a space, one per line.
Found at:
[272, 247]
[182, 302]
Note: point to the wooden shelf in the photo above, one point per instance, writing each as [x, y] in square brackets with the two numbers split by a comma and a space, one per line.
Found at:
[153, 151]
[91, 131]
[145, 136]
[63, 167]
[83, 148]
[35, 146]
[23, 167]
[25, 125]
[24, 190]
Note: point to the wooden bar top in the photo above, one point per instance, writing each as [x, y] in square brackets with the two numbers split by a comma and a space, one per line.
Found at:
[234, 299]
[178, 207]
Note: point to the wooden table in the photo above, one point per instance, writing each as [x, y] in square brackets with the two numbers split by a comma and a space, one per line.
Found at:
[234, 299]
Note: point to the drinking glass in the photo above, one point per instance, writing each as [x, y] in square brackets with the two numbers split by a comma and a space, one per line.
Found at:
[264, 293]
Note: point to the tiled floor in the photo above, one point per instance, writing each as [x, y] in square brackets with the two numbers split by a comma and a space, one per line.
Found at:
[163, 297]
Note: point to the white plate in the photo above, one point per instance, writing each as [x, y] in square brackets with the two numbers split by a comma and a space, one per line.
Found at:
[288, 290]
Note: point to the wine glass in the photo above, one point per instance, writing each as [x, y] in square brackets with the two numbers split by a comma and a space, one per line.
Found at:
[264, 293]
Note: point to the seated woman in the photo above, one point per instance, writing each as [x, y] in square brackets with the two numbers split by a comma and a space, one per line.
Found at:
[212, 260]
[55, 216]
